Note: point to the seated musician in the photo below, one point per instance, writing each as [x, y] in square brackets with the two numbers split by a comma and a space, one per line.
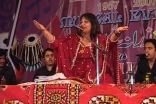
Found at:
[7, 74]
[50, 67]
[146, 71]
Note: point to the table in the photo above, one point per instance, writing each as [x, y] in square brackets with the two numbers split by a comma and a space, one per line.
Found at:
[71, 92]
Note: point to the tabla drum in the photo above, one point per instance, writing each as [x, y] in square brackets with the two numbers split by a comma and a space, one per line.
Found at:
[4, 40]
[31, 52]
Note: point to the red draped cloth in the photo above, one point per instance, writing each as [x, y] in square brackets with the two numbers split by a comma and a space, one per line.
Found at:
[76, 60]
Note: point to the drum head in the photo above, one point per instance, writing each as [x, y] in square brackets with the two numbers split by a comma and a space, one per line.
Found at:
[31, 39]
[4, 40]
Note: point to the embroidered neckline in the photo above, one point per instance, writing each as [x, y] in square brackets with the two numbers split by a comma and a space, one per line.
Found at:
[77, 50]
[89, 43]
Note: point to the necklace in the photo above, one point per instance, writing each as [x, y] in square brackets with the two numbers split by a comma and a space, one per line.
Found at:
[82, 48]
[81, 51]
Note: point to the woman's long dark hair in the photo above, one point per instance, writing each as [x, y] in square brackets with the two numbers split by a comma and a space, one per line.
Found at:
[95, 27]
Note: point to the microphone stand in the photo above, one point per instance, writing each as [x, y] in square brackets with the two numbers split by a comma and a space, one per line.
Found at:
[97, 63]
[130, 80]
[97, 58]
[131, 73]
[96, 45]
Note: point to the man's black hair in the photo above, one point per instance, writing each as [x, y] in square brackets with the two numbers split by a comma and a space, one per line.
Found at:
[153, 41]
[47, 49]
[2, 52]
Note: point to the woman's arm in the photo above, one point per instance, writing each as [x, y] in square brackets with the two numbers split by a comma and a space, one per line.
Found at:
[49, 37]
[116, 34]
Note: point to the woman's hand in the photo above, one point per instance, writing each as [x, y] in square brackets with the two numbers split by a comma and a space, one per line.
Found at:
[115, 36]
[38, 25]
[120, 29]
[50, 38]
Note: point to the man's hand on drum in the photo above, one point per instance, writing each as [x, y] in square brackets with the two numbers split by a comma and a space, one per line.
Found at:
[38, 25]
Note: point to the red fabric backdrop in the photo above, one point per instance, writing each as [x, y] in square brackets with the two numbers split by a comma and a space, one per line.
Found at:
[77, 94]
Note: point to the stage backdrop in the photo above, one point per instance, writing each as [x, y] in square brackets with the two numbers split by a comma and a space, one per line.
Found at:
[61, 16]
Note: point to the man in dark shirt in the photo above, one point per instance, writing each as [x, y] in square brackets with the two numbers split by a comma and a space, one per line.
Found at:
[50, 66]
[7, 74]
[146, 71]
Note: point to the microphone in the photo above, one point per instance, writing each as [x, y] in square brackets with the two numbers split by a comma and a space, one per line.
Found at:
[147, 54]
[139, 55]
[142, 55]
[79, 30]
[80, 27]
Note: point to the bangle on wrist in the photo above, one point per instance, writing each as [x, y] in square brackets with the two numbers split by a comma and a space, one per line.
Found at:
[51, 41]
[117, 34]
[114, 40]
[43, 30]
